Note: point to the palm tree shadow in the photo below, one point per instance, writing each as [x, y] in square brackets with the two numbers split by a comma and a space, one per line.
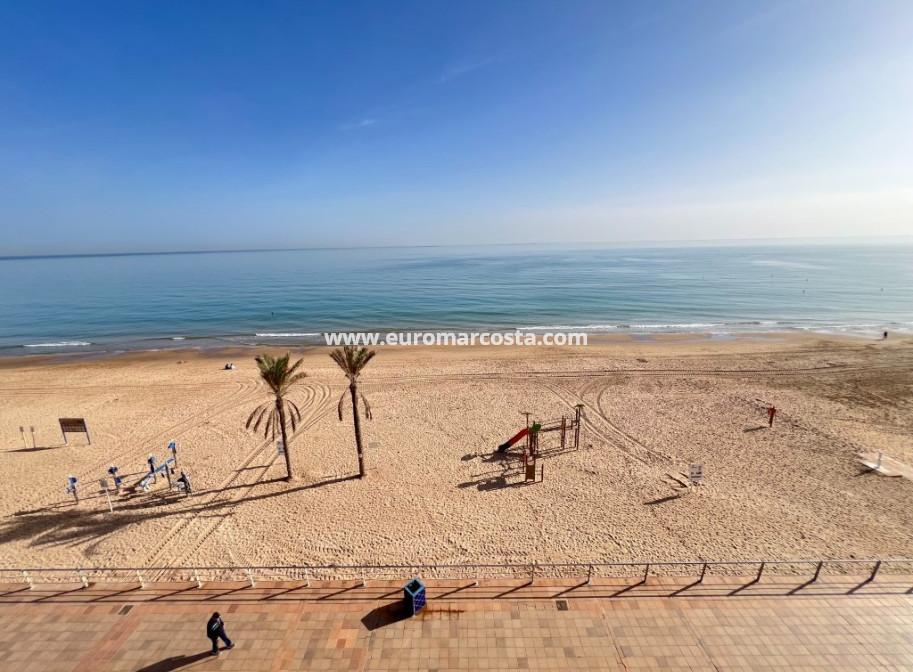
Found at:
[174, 663]
[71, 526]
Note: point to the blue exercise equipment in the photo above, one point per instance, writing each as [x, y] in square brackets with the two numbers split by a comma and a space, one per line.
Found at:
[182, 483]
[118, 481]
[149, 478]
[71, 487]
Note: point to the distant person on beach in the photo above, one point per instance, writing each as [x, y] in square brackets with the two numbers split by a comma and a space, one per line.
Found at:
[885, 336]
[215, 630]
[771, 412]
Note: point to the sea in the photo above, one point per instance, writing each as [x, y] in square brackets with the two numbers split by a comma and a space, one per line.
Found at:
[114, 303]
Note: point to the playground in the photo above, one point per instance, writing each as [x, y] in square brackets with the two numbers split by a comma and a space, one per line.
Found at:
[494, 455]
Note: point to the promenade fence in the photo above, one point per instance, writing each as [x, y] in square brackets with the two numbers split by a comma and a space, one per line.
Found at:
[530, 572]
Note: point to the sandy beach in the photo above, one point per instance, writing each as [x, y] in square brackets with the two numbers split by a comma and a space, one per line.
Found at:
[434, 492]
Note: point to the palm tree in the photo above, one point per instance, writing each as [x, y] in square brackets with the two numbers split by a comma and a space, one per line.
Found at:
[352, 360]
[279, 377]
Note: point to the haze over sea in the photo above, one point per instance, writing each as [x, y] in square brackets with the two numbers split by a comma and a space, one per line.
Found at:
[139, 302]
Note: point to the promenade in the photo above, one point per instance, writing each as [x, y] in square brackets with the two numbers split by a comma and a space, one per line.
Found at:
[725, 623]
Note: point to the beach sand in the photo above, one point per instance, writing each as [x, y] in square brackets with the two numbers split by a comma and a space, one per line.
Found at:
[434, 493]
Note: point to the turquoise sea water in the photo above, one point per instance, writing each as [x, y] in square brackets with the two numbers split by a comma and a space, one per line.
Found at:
[129, 302]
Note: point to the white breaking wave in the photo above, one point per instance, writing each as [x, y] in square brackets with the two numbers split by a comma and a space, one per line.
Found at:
[745, 324]
[565, 327]
[611, 327]
[308, 333]
[177, 338]
[62, 344]
[692, 325]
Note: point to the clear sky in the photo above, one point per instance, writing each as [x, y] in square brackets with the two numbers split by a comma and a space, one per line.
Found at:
[137, 126]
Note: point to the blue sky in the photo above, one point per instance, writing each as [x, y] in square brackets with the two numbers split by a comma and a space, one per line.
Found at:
[136, 126]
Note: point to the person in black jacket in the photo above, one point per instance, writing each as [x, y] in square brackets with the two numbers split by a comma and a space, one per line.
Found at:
[216, 629]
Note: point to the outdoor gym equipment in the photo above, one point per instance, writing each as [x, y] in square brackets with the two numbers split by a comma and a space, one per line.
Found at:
[182, 482]
[71, 487]
[173, 447]
[118, 481]
[150, 478]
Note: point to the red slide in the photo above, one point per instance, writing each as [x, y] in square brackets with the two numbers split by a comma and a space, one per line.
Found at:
[519, 435]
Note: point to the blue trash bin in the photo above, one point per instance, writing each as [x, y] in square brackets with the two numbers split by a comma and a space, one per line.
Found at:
[414, 596]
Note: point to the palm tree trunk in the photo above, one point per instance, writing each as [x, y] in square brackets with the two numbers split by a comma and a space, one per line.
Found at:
[288, 462]
[361, 455]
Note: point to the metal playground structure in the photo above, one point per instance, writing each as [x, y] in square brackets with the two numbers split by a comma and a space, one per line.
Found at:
[532, 432]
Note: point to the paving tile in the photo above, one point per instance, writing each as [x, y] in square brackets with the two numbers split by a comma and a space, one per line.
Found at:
[358, 629]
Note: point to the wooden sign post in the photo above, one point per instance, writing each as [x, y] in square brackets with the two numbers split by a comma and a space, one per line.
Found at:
[71, 425]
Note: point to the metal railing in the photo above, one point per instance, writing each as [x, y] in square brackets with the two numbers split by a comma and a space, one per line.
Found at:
[530, 572]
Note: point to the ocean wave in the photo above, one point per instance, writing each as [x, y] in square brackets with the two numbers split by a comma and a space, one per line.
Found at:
[567, 327]
[177, 338]
[840, 327]
[683, 326]
[291, 335]
[61, 344]
[690, 325]
[613, 327]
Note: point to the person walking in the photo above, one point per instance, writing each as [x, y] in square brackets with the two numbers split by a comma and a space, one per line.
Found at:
[215, 629]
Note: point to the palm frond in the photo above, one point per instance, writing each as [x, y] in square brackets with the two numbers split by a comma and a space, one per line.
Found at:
[294, 412]
[270, 416]
[277, 374]
[342, 400]
[258, 410]
[352, 360]
[364, 400]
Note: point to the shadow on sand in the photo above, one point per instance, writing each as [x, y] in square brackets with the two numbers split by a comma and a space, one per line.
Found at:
[33, 449]
[662, 500]
[174, 663]
[68, 524]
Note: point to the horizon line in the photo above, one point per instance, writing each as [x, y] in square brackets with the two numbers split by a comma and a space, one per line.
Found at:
[641, 243]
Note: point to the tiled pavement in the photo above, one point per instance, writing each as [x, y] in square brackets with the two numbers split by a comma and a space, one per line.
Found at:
[723, 624]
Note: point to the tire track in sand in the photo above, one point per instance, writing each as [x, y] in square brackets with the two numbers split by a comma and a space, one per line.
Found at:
[192, 531]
